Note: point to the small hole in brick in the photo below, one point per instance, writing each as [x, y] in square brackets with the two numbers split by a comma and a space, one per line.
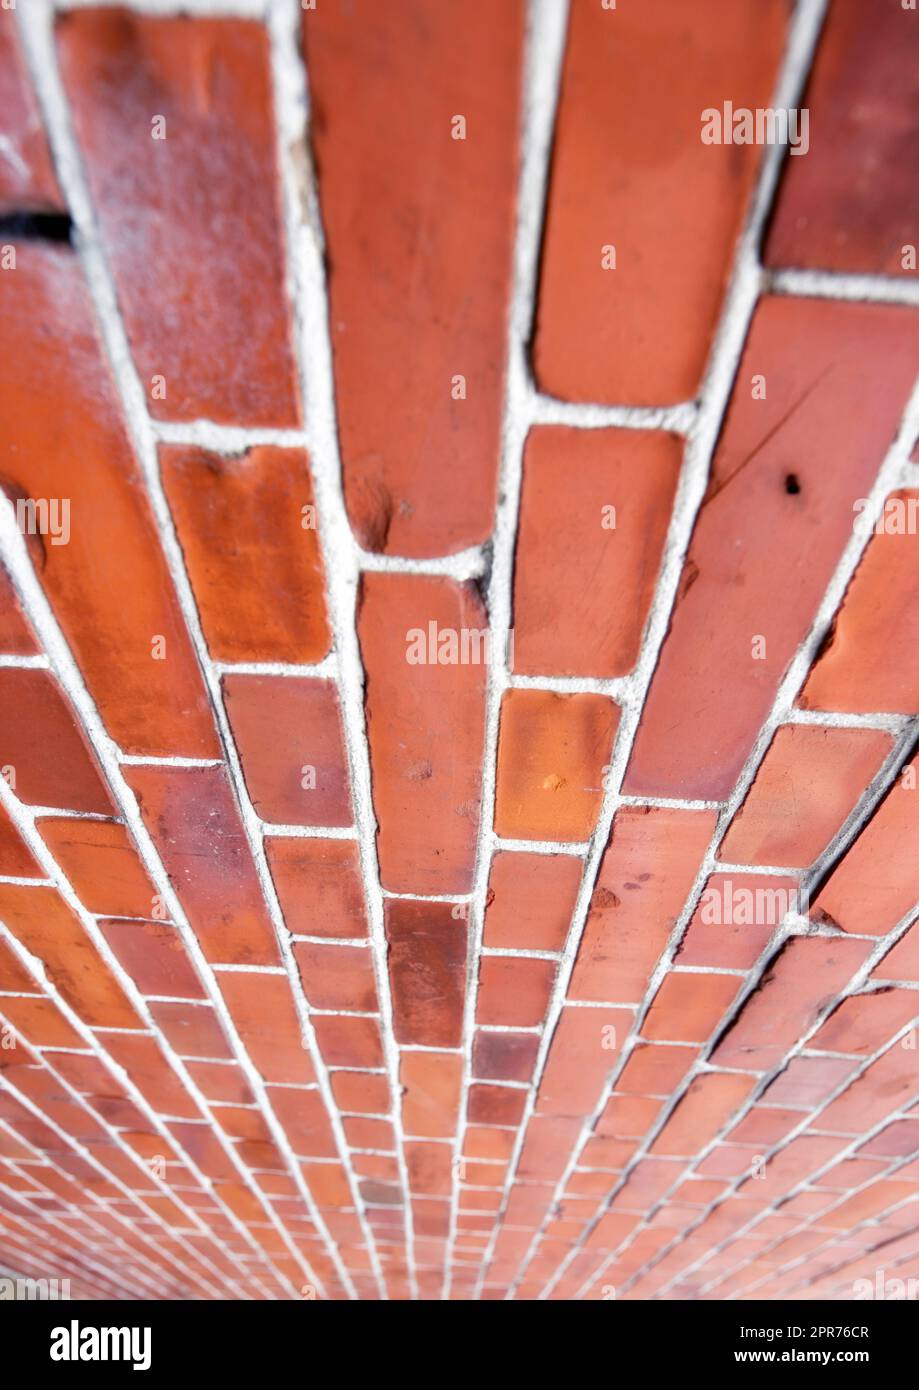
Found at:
[791, 483]
[37, 226]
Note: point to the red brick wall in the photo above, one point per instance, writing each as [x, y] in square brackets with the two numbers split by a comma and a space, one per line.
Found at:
[459, 663]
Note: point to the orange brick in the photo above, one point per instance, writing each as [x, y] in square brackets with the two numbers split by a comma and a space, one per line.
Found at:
[247, 525]
[530, 900]
[630, 170]
[426, 786]
[585, 574]
[552, 751]
[207, 312]
[387, 161]
[102, 864]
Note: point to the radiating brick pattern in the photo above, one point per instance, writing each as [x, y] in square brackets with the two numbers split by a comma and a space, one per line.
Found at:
[458, 769]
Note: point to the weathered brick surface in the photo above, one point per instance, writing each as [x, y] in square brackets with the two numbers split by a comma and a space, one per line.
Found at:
[420, 449]
[669, 205]
[335, 953]
[851, 205]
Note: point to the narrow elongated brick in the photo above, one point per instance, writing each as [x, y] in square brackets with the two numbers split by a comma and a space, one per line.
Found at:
[319, 885]
[142, 1059]
[425, 714]
[419, 151]
[880, 1090]
[427, 970]
[594, 512]
[530, 900]
[47, 759]
[41, 1023]
[652, 1070]
[195, 824]
[102, 864]
[552, 754]
[248, 528]
[262, 1008]
[806, 786]
[585, 1047]
[109, 584]
[634, 185]
[27, 180]
[836, 378]
[645, 875]
[875, 883]
[288, 732]
[806, 973]
[432, 1082]
[879, 615]
[851, 204]
[47, 928]
[176, 127]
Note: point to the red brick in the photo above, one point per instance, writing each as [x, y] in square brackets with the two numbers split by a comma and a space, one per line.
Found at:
[16, 636]
[687, 1007]
[431, 1084]
[192, 234]
[544, 1156]
[192, 1029]
[585, 1047]
[806, 786]
[630, 169]
[427, 970]
[530, 900]
[867, 1203]
[305, 1121]
[247, 527]
[47, 928]
[884, 1087]
[348, 1042]
[13, 976]
[288, 731]
[140, 1055]
[655, 1071]
[154, 956]
[337, 977]
[220, 1082]
[628, 1116]
[878, 614]
[430, 1168]
[552, 751]
[705, 1109]
[607, 1153]
[328, 1183]
[799, 982]
[496, 1105]
[851, 205]
[359, 1091]
[262, 1009]
[807, 1081]
[898, 1140]
[504, 1056]
[647, 1182]
[41, 741]
[441, 212]
[764, 1126]
[735, 918]
[195, 824]
[27, 180]
[583, 587]
[837, 377]
[426, 786]
[16, 859]
[864, 1022]
[109, 585]
[514, 990]
[319, 885]
[367, 1132]
[102, 864]
[875, 883]
[645, 875]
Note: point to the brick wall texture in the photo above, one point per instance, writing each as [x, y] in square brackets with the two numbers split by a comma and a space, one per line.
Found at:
[459, 654]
